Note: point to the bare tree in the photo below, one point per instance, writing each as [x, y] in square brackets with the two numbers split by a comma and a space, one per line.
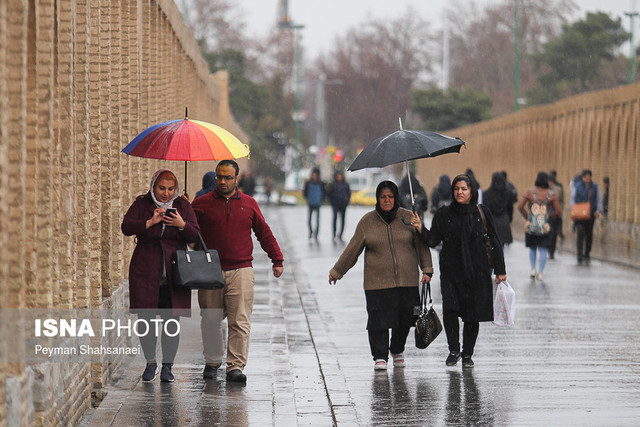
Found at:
[216, 24]
[376, 64]
[482, 44]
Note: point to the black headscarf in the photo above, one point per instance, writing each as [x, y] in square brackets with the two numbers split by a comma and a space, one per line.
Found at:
[390, 215]
[444, 187]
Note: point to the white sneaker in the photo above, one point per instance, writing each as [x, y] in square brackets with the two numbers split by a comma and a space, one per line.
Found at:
[533, 272]
[539, 276]
[380, 365]
[398, 360]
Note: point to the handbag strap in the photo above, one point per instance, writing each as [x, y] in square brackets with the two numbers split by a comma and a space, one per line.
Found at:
[484, 219]
[426, 293]
[204, 245]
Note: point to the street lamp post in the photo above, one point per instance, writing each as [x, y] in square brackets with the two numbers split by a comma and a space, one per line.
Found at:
[516, 66]
[632, 53]
[298, 116]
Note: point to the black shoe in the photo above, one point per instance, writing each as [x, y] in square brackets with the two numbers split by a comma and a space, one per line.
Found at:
[210, 371]
[467, 362]
[452, 359]
[236, 376]
[165, 374]
[149, 373]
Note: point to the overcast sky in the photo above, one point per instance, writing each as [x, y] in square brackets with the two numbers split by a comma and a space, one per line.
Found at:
[326, 19]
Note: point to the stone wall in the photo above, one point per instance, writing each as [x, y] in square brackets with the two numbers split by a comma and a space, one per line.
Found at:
[598, 131]
[78, 80]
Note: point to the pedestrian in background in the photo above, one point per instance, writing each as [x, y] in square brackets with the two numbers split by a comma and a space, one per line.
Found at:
[391, 276]
[585, 190]
[420, 199]
[465, 271]
[314, 193]
[162, 222]
[227, 217]
[247, 183]
[556, 221]
[538, 202]
[208, 184]
[476, 184]
[268, 189]
[514, 193]
[498, 199]
[441, 194]
[339, 194]
[605, 197]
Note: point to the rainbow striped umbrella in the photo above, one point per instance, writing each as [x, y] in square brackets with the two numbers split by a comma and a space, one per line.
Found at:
[188, 140]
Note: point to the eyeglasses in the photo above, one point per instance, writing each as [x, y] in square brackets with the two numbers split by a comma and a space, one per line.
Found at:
[226, 178]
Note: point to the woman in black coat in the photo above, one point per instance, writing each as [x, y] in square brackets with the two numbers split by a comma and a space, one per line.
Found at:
[498, 199]
[465, 274]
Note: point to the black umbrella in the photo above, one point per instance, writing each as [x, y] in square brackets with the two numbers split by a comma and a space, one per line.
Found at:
[404, 145]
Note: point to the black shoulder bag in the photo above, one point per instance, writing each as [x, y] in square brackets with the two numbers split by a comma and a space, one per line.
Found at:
[199, 269]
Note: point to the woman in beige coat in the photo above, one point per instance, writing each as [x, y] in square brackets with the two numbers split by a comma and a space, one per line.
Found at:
[392, 252]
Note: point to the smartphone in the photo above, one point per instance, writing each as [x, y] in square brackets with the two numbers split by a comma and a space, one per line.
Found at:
[170, 211]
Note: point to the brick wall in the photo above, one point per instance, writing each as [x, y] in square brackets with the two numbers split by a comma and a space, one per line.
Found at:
[78, 80]
[597, 131]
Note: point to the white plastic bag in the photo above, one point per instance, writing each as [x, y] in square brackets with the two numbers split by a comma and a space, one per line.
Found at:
[504, 305]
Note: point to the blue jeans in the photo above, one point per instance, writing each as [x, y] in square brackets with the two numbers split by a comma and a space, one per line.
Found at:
[314, 233]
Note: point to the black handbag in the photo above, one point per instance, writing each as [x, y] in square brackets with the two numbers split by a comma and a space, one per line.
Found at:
[199, 269]
[428, 325]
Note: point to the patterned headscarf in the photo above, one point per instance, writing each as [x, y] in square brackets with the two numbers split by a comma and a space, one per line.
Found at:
[176, 194]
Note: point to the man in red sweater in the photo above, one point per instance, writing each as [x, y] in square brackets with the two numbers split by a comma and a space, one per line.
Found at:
[226, 217]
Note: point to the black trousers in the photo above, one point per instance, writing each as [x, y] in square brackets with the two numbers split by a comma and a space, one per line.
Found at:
[338, 212]
[556, 230]
[584, 238]
[379, 342]
[469, 334]
[390, 309]
[149, 339]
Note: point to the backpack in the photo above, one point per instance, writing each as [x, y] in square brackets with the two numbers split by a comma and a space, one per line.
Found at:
[539, 215]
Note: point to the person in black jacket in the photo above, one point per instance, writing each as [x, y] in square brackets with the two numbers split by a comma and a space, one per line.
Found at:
[420, 199]
[498, 199]
[465, 273]
[339, 194]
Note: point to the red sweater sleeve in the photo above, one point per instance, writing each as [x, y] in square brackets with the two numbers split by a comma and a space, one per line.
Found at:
[265, 237]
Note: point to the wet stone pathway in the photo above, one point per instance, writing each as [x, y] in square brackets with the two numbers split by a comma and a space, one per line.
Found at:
[571, 359]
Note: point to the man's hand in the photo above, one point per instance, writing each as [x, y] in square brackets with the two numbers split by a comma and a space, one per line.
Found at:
[277, 271]
[501, 278]
[332, 280]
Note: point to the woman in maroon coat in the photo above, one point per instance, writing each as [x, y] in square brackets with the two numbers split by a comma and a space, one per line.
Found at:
[162, 222]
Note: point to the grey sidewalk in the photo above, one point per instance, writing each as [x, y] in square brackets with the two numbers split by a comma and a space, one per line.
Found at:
[572, 357]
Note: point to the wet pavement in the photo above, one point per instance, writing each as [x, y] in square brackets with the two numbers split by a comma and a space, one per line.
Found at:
[572, 357]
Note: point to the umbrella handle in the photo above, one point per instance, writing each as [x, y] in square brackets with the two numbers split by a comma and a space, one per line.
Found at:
[413, 203]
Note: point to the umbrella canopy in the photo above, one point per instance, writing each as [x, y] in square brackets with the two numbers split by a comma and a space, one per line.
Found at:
[186, 140]
[404, 145]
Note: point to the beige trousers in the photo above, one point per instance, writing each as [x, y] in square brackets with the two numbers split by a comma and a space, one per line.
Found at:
[235, 301]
